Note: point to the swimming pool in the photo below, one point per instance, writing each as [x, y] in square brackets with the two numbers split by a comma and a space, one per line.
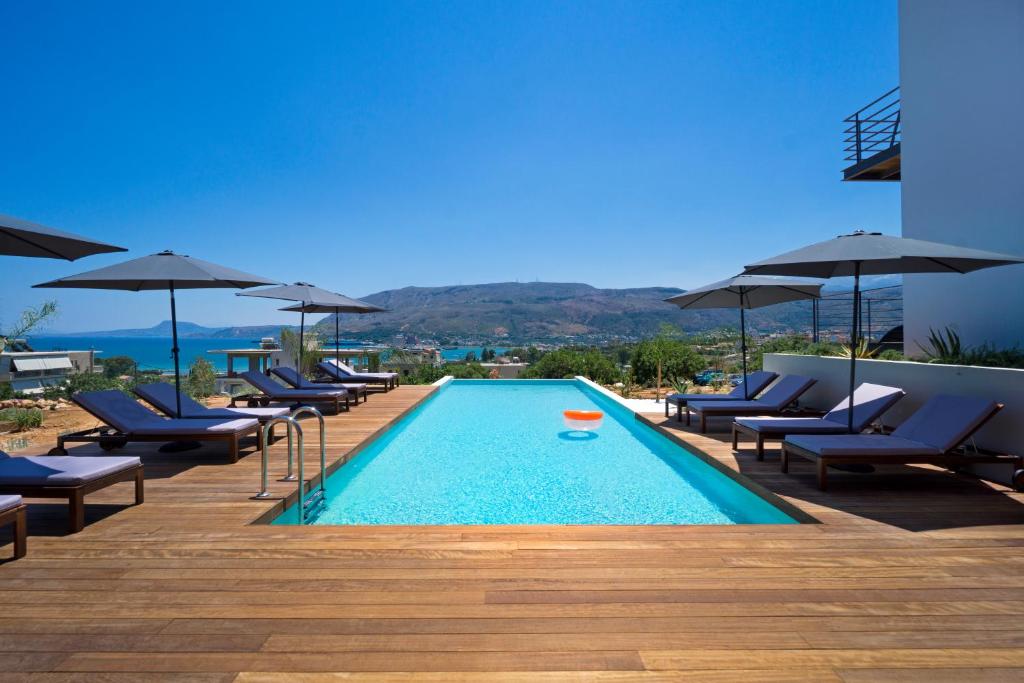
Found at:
[497, 452]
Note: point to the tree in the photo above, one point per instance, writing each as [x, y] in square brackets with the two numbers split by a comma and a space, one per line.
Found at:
[30, 319]
[118, 366]
[310, 354]
[471, 357]
[525, 355]
[659, 358]
[202, 379]
[664, 355]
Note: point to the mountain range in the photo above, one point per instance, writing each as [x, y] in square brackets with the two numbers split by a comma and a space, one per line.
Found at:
[513, 312]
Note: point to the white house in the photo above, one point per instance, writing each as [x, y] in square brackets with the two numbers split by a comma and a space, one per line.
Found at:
[961, 118]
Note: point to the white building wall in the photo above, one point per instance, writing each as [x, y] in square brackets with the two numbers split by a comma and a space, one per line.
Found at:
[962, 91]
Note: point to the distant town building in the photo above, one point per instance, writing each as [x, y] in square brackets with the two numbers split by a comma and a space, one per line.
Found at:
[31, 372]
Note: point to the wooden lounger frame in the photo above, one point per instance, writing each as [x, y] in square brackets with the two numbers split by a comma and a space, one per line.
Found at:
[76, 494]
[758, 437]
[748, 412]
[951, 459]
[388, 383]
[109, 439]
[16, 516]
[258, 398]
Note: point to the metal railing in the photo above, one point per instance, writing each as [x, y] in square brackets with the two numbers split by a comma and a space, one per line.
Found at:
[265, 434]
[305, 506]
[874, 128]
[319, 497]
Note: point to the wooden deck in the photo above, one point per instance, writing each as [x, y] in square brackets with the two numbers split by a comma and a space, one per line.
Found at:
[912, 575]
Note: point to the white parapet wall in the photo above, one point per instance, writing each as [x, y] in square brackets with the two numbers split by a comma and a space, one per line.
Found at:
[921, 381]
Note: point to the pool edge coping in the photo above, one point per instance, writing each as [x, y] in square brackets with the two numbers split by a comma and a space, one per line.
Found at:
[266, 517]
[774, 499]
[799, 516]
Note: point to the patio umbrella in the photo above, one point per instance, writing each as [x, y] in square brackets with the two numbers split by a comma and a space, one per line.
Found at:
[872, 253]
[165, 270]
[313, 299]
[743, 292]
[23, 238]
[356, 307]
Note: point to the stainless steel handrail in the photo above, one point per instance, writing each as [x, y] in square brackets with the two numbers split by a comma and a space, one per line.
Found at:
[309, 410]
[268, 427]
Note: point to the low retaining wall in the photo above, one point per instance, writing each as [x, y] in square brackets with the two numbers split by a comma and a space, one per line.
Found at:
[921, 381]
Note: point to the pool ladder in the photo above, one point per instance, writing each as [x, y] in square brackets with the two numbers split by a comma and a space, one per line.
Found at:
[308, 507]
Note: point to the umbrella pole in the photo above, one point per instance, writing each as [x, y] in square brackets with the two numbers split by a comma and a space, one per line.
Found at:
[337, 341]
[743, 347]
[854, 343]
[302, 330]
[174, 351]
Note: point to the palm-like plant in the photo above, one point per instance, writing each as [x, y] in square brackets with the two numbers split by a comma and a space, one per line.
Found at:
[943, 346]
[862, 351]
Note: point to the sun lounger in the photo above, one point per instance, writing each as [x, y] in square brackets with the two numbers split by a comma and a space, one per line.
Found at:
[780, 396]
[870, 401]
[337, 371]
[12, 511]
[128, 420]
[161, 396]
[291, 377]
[756, 381]
[67, 476]
[272, 391]
[929, 436]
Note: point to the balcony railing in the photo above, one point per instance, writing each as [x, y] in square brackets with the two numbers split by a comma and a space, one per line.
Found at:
[874, 128]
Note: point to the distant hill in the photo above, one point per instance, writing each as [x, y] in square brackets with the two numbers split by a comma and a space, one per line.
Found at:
[185, 329]
[513, 312]
[543, 311]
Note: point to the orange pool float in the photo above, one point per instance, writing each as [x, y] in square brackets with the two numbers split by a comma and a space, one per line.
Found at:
[583, 420]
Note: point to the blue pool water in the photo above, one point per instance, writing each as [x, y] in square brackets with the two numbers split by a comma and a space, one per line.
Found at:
[497, 452]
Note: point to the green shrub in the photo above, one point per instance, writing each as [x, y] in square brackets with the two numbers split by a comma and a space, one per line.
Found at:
[890, 354]
[428, 374]
[23, 419]
[465, 371]
[423, 374]
[793, 344]
[87, 381]
[945, 347]
[116, 366]
[202, 379]
[566, 363]
[6, 391]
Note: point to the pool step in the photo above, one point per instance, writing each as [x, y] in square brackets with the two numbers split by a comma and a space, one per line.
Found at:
[313, 505]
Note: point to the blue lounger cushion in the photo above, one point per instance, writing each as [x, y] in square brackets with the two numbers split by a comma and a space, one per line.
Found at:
[60, 470]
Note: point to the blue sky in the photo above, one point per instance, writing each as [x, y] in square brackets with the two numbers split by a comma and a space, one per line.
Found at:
[369, 146]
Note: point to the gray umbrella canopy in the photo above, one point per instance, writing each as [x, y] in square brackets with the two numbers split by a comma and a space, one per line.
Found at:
[747, 291]
[872, 253]
[744, 292]
[23, 238]
[163, 271]
[314, 299]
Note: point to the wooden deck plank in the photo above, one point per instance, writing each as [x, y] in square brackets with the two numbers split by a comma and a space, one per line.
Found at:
[911, 574]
